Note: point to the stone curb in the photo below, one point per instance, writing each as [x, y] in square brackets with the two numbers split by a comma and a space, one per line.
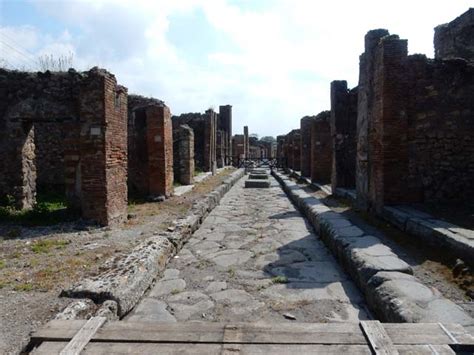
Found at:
[441, 234]
[390, 289]
[122, 286]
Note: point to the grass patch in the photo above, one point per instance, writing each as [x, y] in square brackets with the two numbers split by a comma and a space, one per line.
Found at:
[175, 291]
[280, 279]
[23, 287]
[51, 208]
[47, 245]
[3, 264]
[231, 272]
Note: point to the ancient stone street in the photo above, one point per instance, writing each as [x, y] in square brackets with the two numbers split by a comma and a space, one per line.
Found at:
[255, 258]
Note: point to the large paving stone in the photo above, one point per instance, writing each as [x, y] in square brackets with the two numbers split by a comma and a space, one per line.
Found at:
[230, 257]
[257, 183]
[310, 271]
[151, 310]
[165, 287]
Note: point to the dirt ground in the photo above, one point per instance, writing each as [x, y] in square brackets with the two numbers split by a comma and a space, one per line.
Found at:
[36, 263]
[432, 267]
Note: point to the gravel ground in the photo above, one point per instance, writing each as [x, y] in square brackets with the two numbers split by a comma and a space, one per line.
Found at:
[39, 262]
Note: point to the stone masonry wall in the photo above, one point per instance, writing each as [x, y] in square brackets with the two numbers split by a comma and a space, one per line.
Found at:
[456, 39]
[183, 154]
[321, 148]
[343, 124]
[305, 125]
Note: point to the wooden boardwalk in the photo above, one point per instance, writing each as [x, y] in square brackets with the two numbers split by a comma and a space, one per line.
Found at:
[368, 337]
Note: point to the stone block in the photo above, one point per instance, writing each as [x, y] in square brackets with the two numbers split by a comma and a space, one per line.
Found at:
[257, 183]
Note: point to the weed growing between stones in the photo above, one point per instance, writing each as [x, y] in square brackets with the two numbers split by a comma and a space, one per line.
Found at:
[280, 279]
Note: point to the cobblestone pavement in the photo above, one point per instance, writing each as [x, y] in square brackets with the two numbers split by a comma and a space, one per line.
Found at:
[254, 259]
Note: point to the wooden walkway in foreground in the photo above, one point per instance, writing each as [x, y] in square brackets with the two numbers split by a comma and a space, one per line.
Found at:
[368, 337]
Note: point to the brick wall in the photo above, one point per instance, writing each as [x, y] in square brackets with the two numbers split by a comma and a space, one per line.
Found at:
[343, 124]
[305, 125]
[321, 148]
[420, 127]
[33, 105]
[183, 154]
[238, 146]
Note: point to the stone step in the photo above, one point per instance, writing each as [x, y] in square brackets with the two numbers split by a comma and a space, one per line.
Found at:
[257, 183]
[258, 176]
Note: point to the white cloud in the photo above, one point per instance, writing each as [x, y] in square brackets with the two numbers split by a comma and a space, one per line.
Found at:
[283, 55]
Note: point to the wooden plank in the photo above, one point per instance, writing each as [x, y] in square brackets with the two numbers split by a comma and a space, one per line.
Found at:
[232, 340]
[209, 332]
[53, 348]
[418, 333]
[304, 333]
[83, 336]
[378, 338]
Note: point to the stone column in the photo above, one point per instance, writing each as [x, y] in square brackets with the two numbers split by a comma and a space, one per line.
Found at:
[246, 143]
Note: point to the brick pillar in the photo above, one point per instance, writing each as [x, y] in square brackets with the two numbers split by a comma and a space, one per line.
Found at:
[183, 150]
[225, 124]
[210, 141]
[343, 132]
[246, 143]
[364, 115]
[305, 125]
[159, 137]
[297, 150]
[103, 149]
[321, 149]
[220, 147]
[388, 167]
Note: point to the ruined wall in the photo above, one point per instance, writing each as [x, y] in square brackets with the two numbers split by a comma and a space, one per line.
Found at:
[343, 124]
[183, 154]
[238, 146]
[49, 149]
[281, 150]
[305, 125]
[89, 109]
[420, 127]
[321, 148]
[197, 122]
[150, 147]
[293, 149]
[456, 39]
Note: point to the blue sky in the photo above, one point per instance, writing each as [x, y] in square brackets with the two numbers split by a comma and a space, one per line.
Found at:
[273, 60]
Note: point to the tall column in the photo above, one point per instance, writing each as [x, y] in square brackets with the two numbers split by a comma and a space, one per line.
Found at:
[246, 142]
